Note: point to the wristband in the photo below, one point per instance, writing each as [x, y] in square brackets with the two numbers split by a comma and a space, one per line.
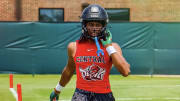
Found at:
[110, 50]
[59, 87]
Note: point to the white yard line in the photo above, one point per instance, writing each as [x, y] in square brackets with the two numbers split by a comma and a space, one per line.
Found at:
[144, 99]
[158, 86]
[123, 99]
[172, 98]
[14, 93]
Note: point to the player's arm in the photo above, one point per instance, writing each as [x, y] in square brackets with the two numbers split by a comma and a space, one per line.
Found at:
[67, 73]
[119, 61]
[115, 53]
[70, 67]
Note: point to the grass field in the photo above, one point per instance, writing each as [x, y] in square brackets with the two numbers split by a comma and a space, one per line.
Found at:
[132, 88]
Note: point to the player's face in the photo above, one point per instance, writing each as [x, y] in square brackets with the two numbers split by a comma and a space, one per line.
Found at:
[94, 28]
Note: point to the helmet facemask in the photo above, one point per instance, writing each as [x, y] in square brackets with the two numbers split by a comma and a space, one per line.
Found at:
[94, 29]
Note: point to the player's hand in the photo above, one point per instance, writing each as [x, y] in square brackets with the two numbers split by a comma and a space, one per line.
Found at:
[108, 39]
[54, 96]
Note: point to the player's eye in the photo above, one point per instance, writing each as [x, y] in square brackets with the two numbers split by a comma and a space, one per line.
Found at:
[98, 25]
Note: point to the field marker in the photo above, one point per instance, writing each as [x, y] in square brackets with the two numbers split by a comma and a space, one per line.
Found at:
[10, 80]
[11, 86]
[18, 94]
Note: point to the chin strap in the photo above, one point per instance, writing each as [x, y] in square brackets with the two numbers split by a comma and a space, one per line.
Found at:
[99, 50]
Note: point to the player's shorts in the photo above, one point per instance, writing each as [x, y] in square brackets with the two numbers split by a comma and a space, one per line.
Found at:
[82, 95]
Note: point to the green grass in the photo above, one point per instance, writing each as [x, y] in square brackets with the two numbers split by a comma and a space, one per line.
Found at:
[132, 88]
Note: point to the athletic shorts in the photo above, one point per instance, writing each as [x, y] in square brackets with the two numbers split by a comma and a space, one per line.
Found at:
[82, 95]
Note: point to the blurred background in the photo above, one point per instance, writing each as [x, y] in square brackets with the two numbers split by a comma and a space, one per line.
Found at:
[70, 10]
[34, 34]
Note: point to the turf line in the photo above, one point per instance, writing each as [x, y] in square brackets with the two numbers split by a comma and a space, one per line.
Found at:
[143, 99]
[14, 93]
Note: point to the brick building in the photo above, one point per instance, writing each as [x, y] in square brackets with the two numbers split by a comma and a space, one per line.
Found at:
[140, 10]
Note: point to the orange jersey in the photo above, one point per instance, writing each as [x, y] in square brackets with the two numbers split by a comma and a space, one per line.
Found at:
[92, 70]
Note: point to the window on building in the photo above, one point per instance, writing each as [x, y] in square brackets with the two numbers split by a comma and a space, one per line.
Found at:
[51, 15]
[118, 14]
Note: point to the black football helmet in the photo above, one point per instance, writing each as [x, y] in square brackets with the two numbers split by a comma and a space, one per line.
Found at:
[94, 13]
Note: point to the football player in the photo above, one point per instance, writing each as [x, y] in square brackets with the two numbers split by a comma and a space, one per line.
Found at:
[92, 70]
